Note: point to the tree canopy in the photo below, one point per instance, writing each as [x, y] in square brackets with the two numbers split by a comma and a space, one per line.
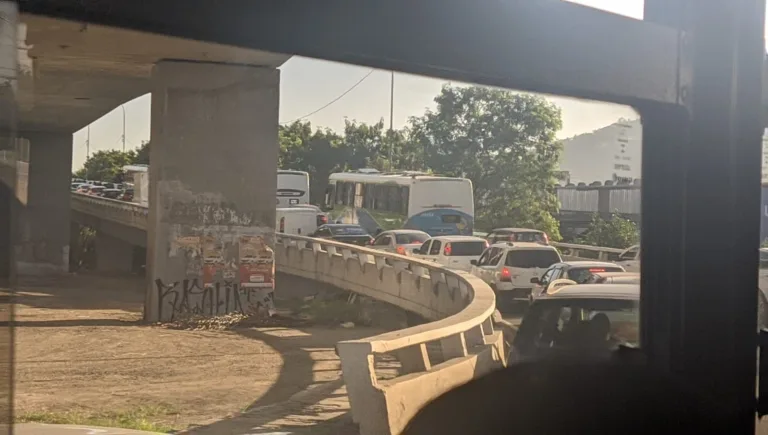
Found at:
[505, 143]
[615, 232]
[107, 165]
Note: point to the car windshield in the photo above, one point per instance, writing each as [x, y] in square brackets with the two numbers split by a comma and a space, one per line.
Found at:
[467, 249]
[564, 324]
[348, 231]
[582, 274]
[411, 238]
[532, 258]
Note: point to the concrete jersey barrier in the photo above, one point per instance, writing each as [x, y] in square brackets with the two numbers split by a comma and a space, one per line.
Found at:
[459, 305]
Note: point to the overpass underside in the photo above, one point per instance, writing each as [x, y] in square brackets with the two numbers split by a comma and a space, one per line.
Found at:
[214, 121]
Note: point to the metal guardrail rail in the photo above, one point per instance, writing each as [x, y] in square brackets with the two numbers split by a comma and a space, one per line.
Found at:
[587, 252]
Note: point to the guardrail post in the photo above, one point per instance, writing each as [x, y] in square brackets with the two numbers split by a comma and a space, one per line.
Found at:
[475, 336]
[367, 402]
[414, 359]
[454, 346]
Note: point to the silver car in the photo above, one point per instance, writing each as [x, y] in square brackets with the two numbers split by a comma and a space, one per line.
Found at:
[399, 241]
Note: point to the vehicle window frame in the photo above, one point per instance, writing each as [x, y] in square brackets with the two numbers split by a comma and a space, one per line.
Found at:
[435, 248]
[487, 254]
[544, 281]
[424, 248]
[495, 260]
[381, 238]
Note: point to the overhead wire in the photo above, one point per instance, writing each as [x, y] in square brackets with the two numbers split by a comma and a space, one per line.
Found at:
[334, 100]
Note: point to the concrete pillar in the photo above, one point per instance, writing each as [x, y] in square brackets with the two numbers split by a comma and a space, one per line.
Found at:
[212, 187]
[113, 254]
[43, 245]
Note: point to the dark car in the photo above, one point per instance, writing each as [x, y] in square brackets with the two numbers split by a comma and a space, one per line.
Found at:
[345, 233]
[127, 195]
[111, 193]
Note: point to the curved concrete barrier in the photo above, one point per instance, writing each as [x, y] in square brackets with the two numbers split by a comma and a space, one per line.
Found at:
[459, 305]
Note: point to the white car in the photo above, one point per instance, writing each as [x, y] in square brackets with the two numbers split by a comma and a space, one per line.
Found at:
[513, 269]
[399, 241]
[455, 252]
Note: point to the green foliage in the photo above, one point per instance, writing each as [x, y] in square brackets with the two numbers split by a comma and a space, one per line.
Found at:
[108, 165]
[144, 417]
[505, 143]
[616, 232]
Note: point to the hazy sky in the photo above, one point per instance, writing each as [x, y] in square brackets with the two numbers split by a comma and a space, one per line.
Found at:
[308, 84]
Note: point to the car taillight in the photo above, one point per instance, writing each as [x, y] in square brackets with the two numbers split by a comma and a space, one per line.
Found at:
[506, 275]
[596, 270]
[401, 250]
[282, 224]
[447, 250]
[324, 219]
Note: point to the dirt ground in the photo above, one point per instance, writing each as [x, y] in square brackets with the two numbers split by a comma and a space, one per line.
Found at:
[80, 345]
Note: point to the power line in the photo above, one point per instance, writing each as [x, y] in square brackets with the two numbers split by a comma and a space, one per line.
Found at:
[334, 100]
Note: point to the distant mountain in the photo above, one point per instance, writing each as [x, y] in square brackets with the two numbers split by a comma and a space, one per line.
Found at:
[594, 156]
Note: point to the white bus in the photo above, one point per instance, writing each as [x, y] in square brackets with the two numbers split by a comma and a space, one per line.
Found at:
[292, 188]
[433, 204]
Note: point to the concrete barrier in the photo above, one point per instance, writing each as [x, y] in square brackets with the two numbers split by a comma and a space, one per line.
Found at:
[459, 305]
[121, 212]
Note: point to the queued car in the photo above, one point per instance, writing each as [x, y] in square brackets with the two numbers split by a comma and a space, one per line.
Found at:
[455, 252]
[111, 193]
[84, 188]
[322, 217]
[577, 271]
[513, 268]
[345, 233]
[127, 195]
[517, 235]
[579, 318]
[613, 278]
[95, 190]
[399, 241]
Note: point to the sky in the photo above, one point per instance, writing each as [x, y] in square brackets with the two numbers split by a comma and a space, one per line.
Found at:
[309, 84]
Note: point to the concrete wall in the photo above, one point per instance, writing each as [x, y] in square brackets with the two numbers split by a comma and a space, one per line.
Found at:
[459, 305]
[213, 179]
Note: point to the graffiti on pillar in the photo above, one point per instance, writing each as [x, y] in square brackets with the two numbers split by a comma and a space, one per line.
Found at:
[257, 262]
[208, 213]
[191, 297]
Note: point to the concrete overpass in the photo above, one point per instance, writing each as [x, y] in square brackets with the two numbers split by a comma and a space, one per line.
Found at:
[222, 100]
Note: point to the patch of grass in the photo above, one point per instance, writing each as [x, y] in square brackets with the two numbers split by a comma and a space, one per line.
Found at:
[140, 418]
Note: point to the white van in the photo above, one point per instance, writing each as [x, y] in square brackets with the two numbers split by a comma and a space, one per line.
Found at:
[296, 220]
[455, 252]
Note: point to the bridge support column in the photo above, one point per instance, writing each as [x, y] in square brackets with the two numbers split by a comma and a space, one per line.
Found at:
[213, 179]
[113, 254]
[43, 245]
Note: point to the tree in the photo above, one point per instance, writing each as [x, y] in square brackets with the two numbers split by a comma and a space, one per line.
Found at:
[505, 143]
[617, 232]
[142, 154]
[318, 152]
[106, 165]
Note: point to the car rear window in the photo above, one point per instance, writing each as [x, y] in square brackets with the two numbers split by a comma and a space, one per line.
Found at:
[467, 249]
[348, 231]
[407, 239]
[581, 274]
[532, 258]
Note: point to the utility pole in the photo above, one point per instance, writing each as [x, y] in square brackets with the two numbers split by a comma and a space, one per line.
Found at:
[391, 116]
[88, 144]
[122, 106]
